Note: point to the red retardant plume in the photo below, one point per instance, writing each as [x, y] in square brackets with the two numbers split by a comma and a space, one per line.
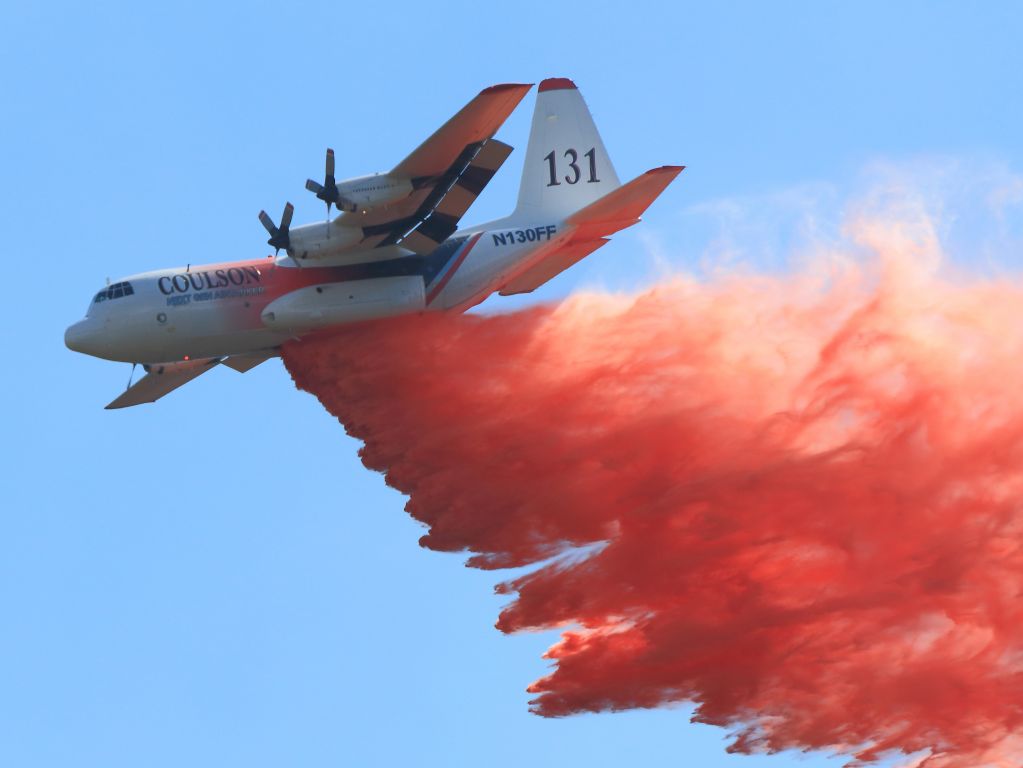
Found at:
[800, 495]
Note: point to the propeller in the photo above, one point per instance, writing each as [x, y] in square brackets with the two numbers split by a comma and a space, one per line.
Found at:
[279, 236]
[328, 191]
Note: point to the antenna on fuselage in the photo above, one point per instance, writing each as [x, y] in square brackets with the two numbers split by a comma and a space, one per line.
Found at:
[130, 376]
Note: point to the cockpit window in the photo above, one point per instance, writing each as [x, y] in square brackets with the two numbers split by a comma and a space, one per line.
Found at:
[115, 291]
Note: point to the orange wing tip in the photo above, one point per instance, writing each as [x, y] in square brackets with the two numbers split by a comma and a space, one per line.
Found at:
[556, 84]
[675, 170]
[507, 87]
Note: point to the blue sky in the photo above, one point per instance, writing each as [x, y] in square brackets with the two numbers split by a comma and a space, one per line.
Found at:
[215, 580]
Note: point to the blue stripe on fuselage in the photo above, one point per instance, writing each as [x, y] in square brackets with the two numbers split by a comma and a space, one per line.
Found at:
[429, 266]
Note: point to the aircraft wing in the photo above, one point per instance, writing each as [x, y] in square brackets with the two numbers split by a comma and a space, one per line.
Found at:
[164, 378]
[436, 164]
[477, 121]
[453, 200]
[161, 379]
[249, 360]
[593, 224]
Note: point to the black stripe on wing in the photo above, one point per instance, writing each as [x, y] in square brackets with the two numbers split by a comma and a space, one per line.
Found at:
[395, 230]
[443, 220]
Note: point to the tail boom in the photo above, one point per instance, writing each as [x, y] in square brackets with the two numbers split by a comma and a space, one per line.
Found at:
[590, 228]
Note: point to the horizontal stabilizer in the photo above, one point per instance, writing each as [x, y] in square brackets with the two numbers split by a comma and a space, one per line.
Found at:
[552, 266]
[161, 379]
[622, 207]
[591, 226]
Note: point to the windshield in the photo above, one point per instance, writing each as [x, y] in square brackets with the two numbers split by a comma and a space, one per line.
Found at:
[110, 293]
[115, 291]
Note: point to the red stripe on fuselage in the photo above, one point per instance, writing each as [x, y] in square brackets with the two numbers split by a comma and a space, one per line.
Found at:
[435, 291]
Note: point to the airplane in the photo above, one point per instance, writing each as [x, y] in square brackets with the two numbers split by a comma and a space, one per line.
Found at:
[395, 247]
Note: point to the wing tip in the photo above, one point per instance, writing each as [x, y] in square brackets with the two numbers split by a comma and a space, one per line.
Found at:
[556, 84]
[674, 170]
[117, 404]
[501, 87]
[668, 171]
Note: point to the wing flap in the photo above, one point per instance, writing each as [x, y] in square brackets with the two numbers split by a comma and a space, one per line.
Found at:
[439, 225]
[474, 179]
[162, 379]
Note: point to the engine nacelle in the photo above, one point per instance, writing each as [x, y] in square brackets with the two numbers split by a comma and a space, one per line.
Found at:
[323, 241]
[310, 241]
[369, 192]
[352, 301]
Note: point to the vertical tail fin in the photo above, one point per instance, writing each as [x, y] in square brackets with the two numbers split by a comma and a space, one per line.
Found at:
[566, 166]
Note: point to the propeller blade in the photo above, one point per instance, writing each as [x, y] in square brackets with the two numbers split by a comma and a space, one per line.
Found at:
[279, 236]
[268, 223]
[327, 191]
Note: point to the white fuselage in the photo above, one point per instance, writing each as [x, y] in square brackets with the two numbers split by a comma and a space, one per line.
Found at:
[236, 308]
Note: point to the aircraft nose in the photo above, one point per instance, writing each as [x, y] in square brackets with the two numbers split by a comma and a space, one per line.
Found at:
[83, 336]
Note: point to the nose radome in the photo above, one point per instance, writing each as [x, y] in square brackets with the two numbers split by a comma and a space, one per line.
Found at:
[82, 336]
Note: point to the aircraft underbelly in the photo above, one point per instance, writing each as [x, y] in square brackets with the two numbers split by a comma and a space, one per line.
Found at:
[352, 301]
[162, 332]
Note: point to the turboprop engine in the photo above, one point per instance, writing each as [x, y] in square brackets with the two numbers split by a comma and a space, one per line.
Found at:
[361, 194]
[346, 302]
[320, 241]
[330, 238]
[352, 196]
